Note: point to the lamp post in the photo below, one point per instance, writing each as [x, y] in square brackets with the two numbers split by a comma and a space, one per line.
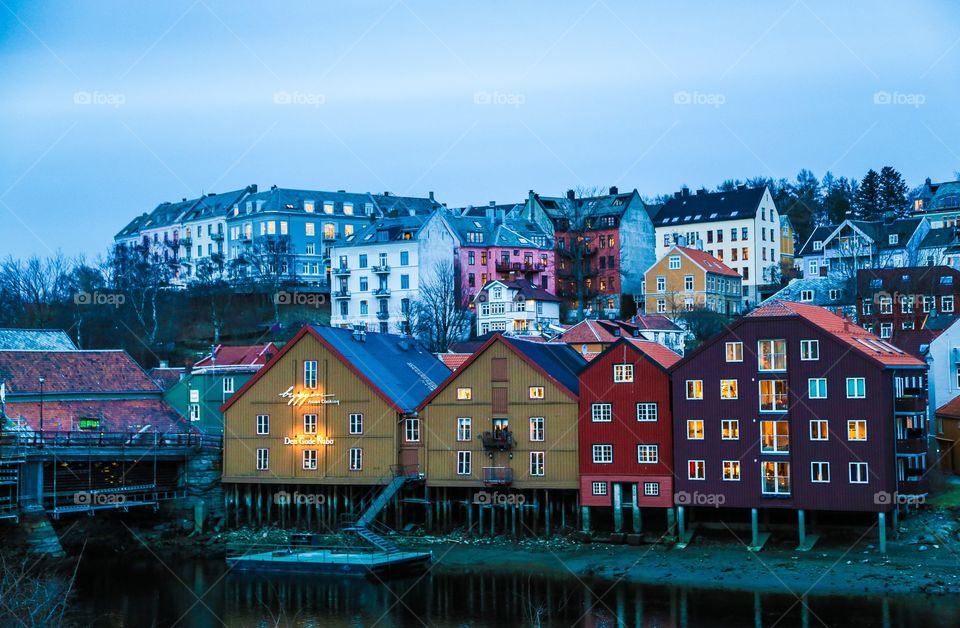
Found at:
[42, 379]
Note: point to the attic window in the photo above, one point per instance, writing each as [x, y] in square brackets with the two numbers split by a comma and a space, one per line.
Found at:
[89, 424]
[733, 213]
[698, 217]
[289, 205]
[713, 215]
[477, 225]
[834, 294]
[876, 283]
[946, 280]
[806, 295]
[893, 238]
[818, 245]
[619, 201]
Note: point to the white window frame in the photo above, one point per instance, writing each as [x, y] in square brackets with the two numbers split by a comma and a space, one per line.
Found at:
[464, 393]
[355, 422]
[536, 392]
[776, 448]
[309, 423]
[538, 464]
[651, 489]
[734, 348]
[813, 386]
[310, 374]
[537, 429]
[601, 412]
[464, 463]
[773, 353]
[648, 454]
[728, 426]
[862, 389]
[598, 488]
[696, 465]
[691, 429]
[411, 429]
[263, 425]
[647, 411]
[736, 387]
[263, 459]
[763, 477]
[773, 395]
[819, 429]
[728, 466]
[809, 350]
[823, 466]
[697, 383]
[862, 474]
[355, 459]
[623, 373]
[228, 385]
[310, 459]
[853, 426]
[194, 411]
[601, 453]
[464, 429]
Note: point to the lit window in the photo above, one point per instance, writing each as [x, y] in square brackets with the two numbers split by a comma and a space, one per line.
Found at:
[601, 412]
[856, 388]
[694, 389]
[536, 428]
[772, 355]
[464, 428]
[820, 472]
[696, 470]
[695, 429]
[310, 374]
[809, 349]
[776, 478]
[857, 429]
[734, 351]
[622, 373]
[817, 388]
[647, 411]
[859, 473]
[648, 454]
[819, 429]
[728, 389]
[309, 423]
[411, 430]
[731, 470]
[774, 437]
[730, 429]
[356, 459]
[773, 395]
[464, 394]
[536, 392]
[310, 459]
[263, 424]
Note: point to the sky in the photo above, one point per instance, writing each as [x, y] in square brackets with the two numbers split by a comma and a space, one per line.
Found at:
[108, 108]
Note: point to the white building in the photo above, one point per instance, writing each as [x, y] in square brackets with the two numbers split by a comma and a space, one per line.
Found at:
[740, 227]
[515, 308]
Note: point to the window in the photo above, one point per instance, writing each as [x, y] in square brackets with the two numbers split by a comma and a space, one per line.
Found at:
[536, 428]
[806, 295]
[730, 429]
[886, 330]
[867, 308]
[464, 462]
[774, 437]
[661, 283]
[404, 258]
[263, 424]
[601, 412]
[356, 459]
[536, 462]
[411, 430]
[857, 429]
[688, 283]
[603, 454]
[858, 473]
[310, 229]
[356, 424]
[536, 392]
[731, 470]
[734, 352]
[946, 303]
[194, 411]
[772, 355]
[646, 411]
[599, 488]
[622, 373]
[651, 489]
[820, 472]
[309, 423]
[696, 470]
[228, 385]
[728, 389]
[856, 388]
[809, 350]
[648, 454]
[694, 389]
[310, 459]
[776, 478]
[819, 429]
[893, 238]
[817, 388]
[674, 262]
[695, 429]
[906, 304]
[773, 395]
[464, 394]
[310, 374]
[929, 303]
[886, 305]
[263, 459]
[464, 428]
[194, 395]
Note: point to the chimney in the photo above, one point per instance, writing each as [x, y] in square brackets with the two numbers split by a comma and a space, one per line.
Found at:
[252, 188]
[430, 194]
[499, 216]
[489, 212]
[492, 203]
[273, 187]
[613, 190]
[701, 191]
[684, 191]
[677, 195]
[386, 193]
[571, 195]
[164, 364]
[341, 191]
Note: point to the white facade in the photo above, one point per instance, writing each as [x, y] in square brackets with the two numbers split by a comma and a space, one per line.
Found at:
[750, 246]
[943, 356]
[498, 309]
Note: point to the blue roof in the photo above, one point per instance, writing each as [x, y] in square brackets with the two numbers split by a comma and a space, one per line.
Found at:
[399, 366]
[35, 340]
[560, 361]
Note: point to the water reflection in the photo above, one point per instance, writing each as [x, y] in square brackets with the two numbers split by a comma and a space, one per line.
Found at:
[202, 593]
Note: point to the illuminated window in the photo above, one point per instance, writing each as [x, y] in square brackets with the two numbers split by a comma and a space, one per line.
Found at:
[694, 389]
[464, 394]
[536, 392]
[695, 429]
[194, 395]
[774, 437]
[857, 429]
[772, 355]
[537, 463]
[730, 429]
[536, 428]
[819, 429]
[696, 470]
[773, 395]
[622, 373]
[734, 351]
[648, 454]
[731, 470]
[776, 478]
[411, 430]
[309, 423]
[728, 389]
[310, 459]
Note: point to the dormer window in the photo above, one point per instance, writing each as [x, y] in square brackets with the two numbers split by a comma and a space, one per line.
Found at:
[806, 295]
[497, 293]
[818, 245]
[308, 207]
[893, 238]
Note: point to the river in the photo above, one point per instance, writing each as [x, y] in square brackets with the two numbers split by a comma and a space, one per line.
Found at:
[142, 592]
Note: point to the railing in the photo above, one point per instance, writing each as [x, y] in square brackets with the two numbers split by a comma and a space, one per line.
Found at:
[917, 486]
[499, 441]
[910, 404]
[497, 475]
[381, 269]
[341, 294]
[216, 235]
[383, 316]
[343, 270]
[111, 439]
[504, 267]
[914, 443]
[381, 292]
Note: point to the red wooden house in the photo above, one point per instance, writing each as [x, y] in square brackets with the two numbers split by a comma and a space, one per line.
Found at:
[625, 431]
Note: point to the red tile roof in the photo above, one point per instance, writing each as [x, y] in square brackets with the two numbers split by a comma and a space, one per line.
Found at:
[73, 372]
[857, 337]
[228, 355]
[655, 351]
[166, 377]
[116, 415]
[587, 331]
[950, 409]
[707, 262]
[654, 321]
[453, 361]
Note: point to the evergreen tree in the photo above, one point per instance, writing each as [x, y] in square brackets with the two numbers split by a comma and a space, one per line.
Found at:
[892, 192]
[837, 198]
[867, 200]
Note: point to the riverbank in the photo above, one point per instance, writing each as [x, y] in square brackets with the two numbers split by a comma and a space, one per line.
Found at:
[923, 558]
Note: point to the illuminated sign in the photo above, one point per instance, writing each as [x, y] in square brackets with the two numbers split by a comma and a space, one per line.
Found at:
[307, 440]
[305, 397]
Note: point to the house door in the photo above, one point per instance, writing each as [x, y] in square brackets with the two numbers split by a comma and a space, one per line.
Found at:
[410, 460]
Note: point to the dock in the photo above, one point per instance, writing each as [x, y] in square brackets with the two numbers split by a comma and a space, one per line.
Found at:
[342, 561]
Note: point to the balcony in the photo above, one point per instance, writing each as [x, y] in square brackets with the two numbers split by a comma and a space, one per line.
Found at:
[913, 486]
[187, 241]
[501, 440]
[382, 269]
[569, 273]
[910, 405]
[382, 293]
[497, 476]
[506, 266]
[216, 236]
[341, 272]
[341, 294]
[383, 316]
[327, 237]
[586, 251]
[912, 445]
[173, 244]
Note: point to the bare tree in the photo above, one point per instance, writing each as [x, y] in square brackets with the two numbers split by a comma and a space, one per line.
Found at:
[267, 265]
[140, 276]
[31, 597]
[436, 314]
[573, 224]
[37, 285]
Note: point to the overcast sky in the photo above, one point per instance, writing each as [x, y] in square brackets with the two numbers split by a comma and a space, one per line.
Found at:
[108, 108]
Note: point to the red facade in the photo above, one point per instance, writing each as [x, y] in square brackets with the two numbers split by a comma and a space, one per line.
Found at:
[609, 416]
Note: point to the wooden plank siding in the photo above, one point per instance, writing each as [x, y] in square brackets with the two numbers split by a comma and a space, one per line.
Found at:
[379, 440]
[559, 409]
[837, 362]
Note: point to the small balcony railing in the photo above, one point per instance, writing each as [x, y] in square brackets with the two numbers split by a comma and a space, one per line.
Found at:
[916, 445]
[343, 271]
[497, 476]
[501, 440]
[910, 404]
[381, 292]
[216, 236]
[503, 266]
[913, 486]
[382, 269]
[383, 316]
[341, 294]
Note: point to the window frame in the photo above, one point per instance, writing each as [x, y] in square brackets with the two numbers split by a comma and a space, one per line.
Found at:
[536, 430]
[737, 347]
[263, 420]
[606, 409]
[644, 415]
[692, 423]
[697, 389]
[862, 391]
[822, 431]
[306, 427]
[729, 425]
[806, 355]
[625, 370]
[810, 388]
[854, 433]
[729, 464]
[263, 459]
[315, 459]
[864, 477]
[598, 451]
[822, 464]
[648, 448]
